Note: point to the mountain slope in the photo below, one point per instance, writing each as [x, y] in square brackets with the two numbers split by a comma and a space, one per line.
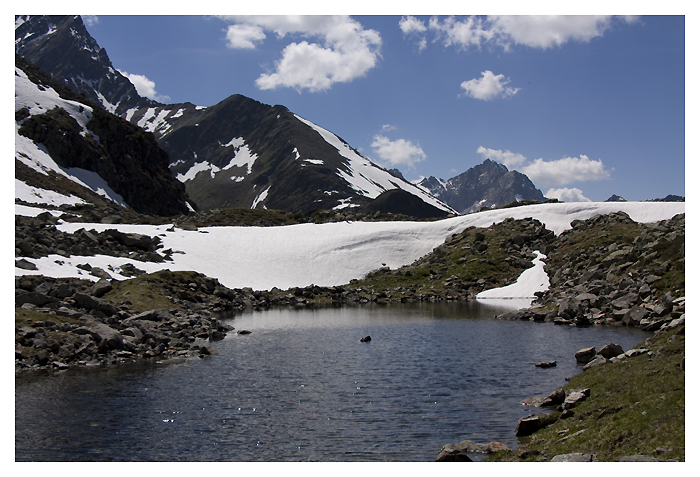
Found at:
[237, 153]
[71, 151]
[489, 185]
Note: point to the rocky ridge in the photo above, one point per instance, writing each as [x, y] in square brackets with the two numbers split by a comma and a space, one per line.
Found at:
[124, 155]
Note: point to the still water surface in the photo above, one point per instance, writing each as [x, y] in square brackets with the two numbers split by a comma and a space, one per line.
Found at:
[302, 387]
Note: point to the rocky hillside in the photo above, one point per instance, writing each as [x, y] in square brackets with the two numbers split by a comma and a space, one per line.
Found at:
[74, 144]
[487, 185]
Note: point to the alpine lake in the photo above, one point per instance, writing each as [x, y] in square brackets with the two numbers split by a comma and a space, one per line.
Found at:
[303, 387]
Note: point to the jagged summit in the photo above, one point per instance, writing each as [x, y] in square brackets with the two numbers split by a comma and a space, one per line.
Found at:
[62, 47]
[489, 185]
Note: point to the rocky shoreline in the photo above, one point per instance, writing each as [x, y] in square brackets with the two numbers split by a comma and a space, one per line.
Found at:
[561, 403]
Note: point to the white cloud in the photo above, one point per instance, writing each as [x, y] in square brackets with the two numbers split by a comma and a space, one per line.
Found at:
[548, 31]
[558, 173]
[565, 171]
[145, 87]
[567, 195]
[399, 152]
[344, 51]
[509, 159]
[244, 36]
[388, 127]
[411, 24]
[461, 34]
[488, 87]
[535, 31]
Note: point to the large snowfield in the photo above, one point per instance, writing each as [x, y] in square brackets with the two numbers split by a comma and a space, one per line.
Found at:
[327, 254]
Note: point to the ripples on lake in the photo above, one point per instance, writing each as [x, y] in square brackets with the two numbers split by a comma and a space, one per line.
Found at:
[302, 387]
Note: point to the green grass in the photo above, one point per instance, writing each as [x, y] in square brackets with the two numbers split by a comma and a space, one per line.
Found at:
[635, 407]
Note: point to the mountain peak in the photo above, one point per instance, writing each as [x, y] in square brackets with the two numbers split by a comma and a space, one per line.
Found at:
[489, 184]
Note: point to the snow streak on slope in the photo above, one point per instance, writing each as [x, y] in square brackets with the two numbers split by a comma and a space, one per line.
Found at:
[242, 157]
[322, 254]
[38, 101]
[34, 195]
[365, 177]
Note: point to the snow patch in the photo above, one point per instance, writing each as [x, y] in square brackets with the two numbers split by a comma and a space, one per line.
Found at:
[235, 143]
[196, 169]
[242, 158]
[532, 280]
[37, 101]
[326, 254]
[344, 203]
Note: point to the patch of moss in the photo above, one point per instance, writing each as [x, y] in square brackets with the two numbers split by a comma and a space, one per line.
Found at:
[151, 291]
[31, 318]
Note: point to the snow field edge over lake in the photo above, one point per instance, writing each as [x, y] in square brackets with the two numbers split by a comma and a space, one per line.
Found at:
[321, 254]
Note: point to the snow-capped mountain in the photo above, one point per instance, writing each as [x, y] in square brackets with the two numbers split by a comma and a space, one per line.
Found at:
[237, 153]
[69, 151]
[489, 185]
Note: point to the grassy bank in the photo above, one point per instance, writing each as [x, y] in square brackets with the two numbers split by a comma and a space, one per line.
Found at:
[636, 407]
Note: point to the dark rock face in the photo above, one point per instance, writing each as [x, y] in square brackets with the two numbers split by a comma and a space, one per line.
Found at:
[613, 271]
[615, 198]
[122, 154]
[37, 237]
[487, 185]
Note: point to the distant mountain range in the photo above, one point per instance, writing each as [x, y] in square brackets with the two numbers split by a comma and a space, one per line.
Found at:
[239, 153]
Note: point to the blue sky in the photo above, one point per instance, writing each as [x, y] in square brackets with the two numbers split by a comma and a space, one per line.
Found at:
[586, 107]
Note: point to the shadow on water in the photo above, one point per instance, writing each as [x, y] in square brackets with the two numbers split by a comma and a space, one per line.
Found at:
[302, 387]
